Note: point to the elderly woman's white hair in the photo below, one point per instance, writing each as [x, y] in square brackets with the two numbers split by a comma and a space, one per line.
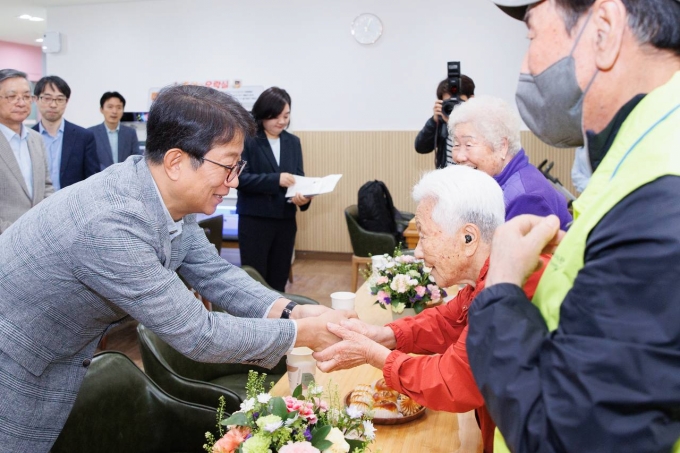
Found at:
[463, 195]
[493, 118]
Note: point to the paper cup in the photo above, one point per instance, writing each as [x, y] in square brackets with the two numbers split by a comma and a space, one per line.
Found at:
[301, 368]
[343, 300]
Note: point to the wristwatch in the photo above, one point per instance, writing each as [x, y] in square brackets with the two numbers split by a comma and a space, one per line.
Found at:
[285, 314]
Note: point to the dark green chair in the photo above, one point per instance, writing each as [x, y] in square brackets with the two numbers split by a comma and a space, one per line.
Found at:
[198, 382]
[204, 383]
[365, 243]
[119, 409]
[255, 275]
[213, 230]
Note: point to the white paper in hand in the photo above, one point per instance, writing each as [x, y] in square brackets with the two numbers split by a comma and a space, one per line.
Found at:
[312, 186]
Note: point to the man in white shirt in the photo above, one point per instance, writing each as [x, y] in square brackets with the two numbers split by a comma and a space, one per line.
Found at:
[24, 174]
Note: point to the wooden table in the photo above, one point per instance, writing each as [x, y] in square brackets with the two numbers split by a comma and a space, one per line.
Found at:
[434, 432]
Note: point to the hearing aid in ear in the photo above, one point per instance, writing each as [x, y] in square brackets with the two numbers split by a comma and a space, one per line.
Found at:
[468, 238]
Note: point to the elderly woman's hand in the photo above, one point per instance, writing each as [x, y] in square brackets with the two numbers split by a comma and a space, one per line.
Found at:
[379, 334]
[354, 350]
[312, 331]
[517, 245]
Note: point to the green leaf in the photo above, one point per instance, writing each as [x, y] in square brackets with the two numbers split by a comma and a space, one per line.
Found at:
[322, 444]
[418, 307]
[319, 434]
[297, 393]
[277, 406]
[237, 418]
[381, 305]
[355, 444]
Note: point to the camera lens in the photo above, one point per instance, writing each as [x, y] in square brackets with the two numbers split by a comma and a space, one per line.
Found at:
[448, 105]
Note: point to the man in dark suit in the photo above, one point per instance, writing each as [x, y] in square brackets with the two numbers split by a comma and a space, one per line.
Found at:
[115, 142]
[71, 150]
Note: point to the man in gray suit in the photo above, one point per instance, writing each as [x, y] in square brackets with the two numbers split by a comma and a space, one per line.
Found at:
[109, 249]
[115, 142]
[24, 174]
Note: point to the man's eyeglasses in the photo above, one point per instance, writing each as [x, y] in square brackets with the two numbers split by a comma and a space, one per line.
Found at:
[232, 170]
[15, 98]
[47, 100]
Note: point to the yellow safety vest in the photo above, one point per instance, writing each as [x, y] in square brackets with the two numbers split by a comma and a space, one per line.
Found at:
[646, 148]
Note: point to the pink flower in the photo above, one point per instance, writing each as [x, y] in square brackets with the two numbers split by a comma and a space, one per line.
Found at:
[231, 440]
[298, 447]
[435, 294]
[420, 290]
[304, 408]
[292, 404]
[321, 404]
[381, 280]
[384, 297]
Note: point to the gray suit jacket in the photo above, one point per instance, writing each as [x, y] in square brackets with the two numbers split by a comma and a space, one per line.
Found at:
[99, 252]
[128, 144]
[14, 198]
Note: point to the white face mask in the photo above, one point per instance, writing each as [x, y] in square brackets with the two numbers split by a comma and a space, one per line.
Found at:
[551, 103]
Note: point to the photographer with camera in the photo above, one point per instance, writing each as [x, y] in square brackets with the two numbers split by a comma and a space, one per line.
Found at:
[435, 133]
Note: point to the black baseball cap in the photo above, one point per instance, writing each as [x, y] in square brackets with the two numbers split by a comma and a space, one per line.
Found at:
[518, 8]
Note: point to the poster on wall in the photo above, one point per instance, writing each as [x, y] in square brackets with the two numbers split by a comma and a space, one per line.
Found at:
[245, 95]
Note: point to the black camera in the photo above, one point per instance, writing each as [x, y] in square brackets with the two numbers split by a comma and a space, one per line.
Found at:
[453, 75]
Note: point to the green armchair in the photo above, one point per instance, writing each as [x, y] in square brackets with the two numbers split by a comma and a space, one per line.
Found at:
[255, 275]
[365, 243]
[119, 409]
[198, 382]
[204, 383]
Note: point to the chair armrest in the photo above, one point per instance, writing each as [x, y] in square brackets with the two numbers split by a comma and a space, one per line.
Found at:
[371, 243]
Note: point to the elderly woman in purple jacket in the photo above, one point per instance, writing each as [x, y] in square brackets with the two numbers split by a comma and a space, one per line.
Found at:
[485, 132]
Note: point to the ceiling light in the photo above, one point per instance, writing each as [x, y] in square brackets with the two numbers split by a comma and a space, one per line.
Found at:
[39, 40]
[31, 18]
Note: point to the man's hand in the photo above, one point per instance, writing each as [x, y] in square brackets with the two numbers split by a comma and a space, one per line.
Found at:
[286, 180]
[354, 350]
[300, 200]
[312, 331]
[437, 112]
[379, 334]
[309, 310]
[517, 245]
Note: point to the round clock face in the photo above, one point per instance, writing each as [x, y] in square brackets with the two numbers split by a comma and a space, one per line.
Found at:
[367, 28]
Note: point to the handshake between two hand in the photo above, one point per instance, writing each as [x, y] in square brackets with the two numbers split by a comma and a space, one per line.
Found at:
[340, 340]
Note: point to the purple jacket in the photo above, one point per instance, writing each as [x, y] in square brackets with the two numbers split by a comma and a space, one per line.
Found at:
[527, 191]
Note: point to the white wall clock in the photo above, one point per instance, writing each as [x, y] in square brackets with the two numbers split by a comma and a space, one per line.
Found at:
[367, 28]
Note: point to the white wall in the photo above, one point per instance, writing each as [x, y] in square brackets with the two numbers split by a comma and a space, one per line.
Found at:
[304, 46]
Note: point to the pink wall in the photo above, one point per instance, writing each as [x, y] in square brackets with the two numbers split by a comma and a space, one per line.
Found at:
[22, 57]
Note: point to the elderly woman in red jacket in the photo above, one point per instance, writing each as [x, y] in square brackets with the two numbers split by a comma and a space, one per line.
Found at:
[458, 211]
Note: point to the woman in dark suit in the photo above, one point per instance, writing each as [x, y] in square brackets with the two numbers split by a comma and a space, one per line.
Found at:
[266, 218]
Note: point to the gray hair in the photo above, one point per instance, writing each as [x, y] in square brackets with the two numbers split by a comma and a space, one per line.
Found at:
[11, 74]
[463, 195]
[493, 118]
[652, 22]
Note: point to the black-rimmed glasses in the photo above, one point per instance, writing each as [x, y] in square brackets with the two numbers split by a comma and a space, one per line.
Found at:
[233, 170]
[47, 100]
